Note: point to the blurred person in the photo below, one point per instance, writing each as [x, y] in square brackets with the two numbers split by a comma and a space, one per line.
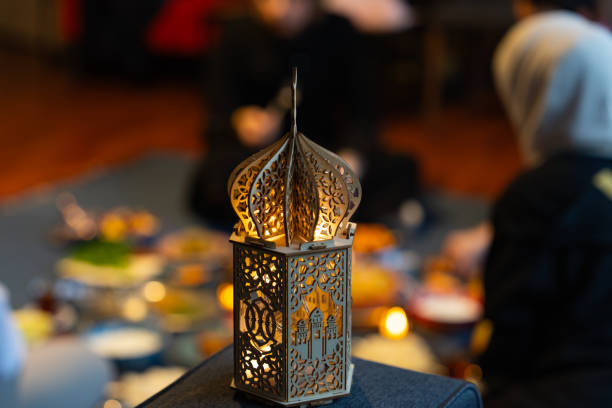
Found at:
[467, 248]
[375, 16]
[548, 287]
[248, 97]
[61, 373]
[12, 348]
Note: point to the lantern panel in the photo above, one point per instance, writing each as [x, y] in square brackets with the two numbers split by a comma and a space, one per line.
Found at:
[318, 288]
[303, 204]
[267, 191]
[260, 282]
[349, 178]
[241, 183]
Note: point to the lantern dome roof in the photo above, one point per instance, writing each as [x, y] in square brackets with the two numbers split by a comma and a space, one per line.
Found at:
[294, 190]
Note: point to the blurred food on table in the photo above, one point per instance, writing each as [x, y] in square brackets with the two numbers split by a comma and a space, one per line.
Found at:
[109, 264]
[183, 309]
[445, 311]
[411, 352]
[373, 285]
[133, 388]
[122, 342]
[35, 325]
[371, 238]
[195, 244]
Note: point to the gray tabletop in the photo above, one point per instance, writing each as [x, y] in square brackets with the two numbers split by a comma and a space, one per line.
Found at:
[374, 385]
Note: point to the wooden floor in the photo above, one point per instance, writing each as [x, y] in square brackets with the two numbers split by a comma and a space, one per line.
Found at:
[55, 126]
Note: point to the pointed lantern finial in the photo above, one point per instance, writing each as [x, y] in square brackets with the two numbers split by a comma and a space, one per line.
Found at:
[294, 103]
[294, 191]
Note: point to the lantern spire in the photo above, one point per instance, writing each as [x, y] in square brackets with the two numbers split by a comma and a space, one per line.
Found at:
[294, 191]
[294, 130]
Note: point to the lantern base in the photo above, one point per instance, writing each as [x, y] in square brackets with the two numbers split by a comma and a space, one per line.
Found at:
[304, 404]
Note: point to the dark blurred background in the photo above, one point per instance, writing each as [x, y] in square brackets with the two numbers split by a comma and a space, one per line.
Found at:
[105, 110]
[88, 83]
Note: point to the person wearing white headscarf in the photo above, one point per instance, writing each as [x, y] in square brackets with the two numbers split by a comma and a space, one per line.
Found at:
[548, 272]
[467, 248]
[553, 73]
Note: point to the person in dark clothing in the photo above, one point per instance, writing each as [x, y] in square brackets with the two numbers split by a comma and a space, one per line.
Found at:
[248, 97]
[548, 270]
[548, 287]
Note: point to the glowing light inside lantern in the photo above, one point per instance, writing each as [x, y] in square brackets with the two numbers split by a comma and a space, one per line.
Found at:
[394, 324]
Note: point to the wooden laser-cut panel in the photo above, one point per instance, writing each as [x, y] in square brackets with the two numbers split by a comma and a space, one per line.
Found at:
[260, 279]
[317, 345]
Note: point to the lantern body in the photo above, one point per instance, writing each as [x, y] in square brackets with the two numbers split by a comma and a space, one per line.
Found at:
[292, 321]
[292, 270]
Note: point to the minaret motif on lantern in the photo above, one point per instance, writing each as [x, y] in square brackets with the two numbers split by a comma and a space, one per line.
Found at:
[292, 271]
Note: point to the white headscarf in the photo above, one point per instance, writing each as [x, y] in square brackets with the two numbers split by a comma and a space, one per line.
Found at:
[554, 74]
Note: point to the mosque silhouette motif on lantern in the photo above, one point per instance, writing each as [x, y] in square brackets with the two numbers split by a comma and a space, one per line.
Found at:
[292, 271]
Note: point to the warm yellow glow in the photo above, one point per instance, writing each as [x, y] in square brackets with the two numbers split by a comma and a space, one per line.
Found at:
[113, 227]
[472, 373]
[134, 309]
[394, 323]
[35, 325]
[254, 363]
[112, 404]
[481, 335]
[266, 367]
[154, 291]
[265, 349]
[225, 294]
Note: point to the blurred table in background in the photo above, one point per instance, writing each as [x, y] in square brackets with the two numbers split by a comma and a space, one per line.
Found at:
[157, 184]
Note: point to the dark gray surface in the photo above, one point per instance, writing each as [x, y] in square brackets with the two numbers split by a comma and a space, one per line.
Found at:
[158, 183]
[374, 385]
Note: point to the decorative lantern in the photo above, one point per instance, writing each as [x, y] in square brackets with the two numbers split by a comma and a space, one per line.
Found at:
[292, 271]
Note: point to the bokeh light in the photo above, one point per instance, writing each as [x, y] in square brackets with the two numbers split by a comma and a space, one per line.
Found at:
[225, 294]
[112, 404]
[154, 291]
[394, 323]
[134, 309]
